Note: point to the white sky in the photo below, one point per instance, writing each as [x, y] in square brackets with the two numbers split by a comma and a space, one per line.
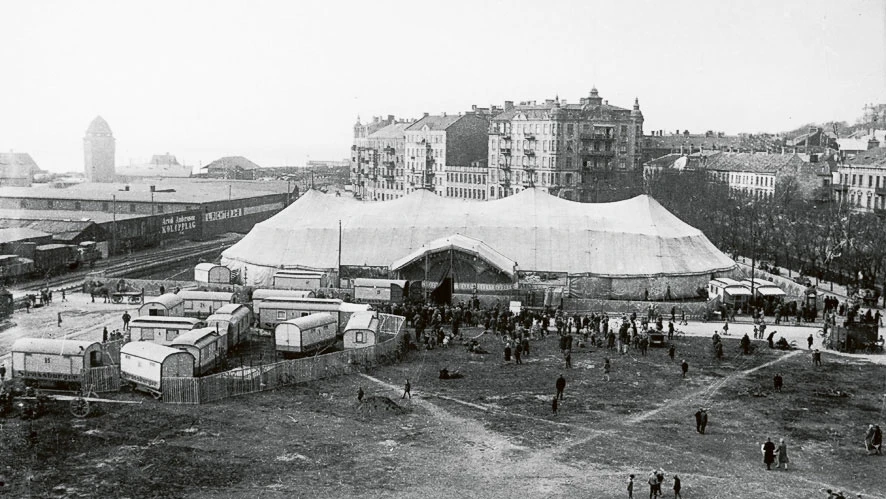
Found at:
[282, 82]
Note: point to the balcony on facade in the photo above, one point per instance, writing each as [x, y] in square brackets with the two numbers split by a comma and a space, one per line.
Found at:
[529, 136]
[841, 188]
[506, 151]
[880, 191]
[600, 153]
[506, 136]
[595, 136]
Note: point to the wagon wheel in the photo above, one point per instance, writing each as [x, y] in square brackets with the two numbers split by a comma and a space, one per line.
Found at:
[135, 299]
[117, 299]
[80, 407]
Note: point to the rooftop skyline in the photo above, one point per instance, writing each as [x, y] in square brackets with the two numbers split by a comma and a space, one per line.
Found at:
[282, 83]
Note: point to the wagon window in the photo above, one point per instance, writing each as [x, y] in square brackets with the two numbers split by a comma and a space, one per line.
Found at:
[281, 314]
[171, 334]
[358, 337]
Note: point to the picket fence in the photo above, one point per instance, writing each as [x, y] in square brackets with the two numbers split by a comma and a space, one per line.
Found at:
[100, 379]
[253, 379]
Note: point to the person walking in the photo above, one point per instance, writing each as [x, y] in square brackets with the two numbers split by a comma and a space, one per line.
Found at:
[672, 350]
[698, 421]
[816, 357]
[677, 487]
[746, 343]
[407, 390]
[704, 420]
[631, 487]
[606, 368]
[568, 359]
[554, 405]
[684, 366]
[653, 485]
[809, 341]
[782, 452]
[877, 441]
[360, 394]
[768, 450]
[126, 318]
[560, 385]
[105, 335]
[726, 328]
[869, 439]
[508, 351]
[2, 372]
[59, 319]
[517, 353]
[64, 297]
[778, 382]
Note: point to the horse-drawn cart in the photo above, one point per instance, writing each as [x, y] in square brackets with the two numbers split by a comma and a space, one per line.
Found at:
[33, 402]
[132, 297]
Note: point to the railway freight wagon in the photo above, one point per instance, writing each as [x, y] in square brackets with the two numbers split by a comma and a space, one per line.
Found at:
[202, 304]
[276, 310]
[14, 268]
[55, 258]
[54, 360]
[210, 273]
[146, 365]
[232, 322]
[380, 290]
[361, 330]
[161, 330]
[168, 305]
[260, 295]
[7, 303]
[306, 334]
[204, 345]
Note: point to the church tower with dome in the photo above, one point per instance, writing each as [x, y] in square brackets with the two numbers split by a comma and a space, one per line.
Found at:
[98, 152]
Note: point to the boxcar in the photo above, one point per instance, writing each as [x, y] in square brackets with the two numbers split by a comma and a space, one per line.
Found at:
[380, 290]
[13, 268]
[202, 304]
[306, 334]
[168, 305]
[298, 279]
[146, 365]
[203, 345]
[7, 303]
[160, 329]
[54, 360]
[233, 322]
[210, 273]
[260, 295]
[361, 330]
[55, 257]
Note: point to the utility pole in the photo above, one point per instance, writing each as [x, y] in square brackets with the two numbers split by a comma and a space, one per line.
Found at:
[339, 254]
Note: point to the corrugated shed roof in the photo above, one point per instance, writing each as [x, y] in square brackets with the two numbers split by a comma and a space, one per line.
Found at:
[11, 234]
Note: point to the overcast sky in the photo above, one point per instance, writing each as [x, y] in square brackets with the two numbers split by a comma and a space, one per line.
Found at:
[283, 82]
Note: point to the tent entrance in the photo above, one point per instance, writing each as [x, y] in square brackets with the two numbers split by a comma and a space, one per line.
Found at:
[442, 294]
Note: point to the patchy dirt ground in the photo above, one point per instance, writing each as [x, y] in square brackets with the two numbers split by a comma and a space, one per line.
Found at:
[489, 434]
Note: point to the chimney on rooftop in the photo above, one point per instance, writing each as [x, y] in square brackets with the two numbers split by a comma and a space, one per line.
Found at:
[606, 102]
[509, 104]
[873, 143]
[426, 115]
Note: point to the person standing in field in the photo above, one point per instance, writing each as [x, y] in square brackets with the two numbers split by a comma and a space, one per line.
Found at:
[768, 450]
[684, 366]
[606, 368]
[782, 454]
[407, 390]
[560, 385]
[630, 485]
[677, 487]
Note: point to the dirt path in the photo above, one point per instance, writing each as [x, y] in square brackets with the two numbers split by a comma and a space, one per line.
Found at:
[706, 392]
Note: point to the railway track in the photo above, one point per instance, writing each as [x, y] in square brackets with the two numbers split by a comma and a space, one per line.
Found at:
[124, 266]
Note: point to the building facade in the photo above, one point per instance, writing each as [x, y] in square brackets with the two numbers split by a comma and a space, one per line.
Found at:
[560, 147]
[99, 149]
[860, 183]
[467, 182]
[378, 173]
[17, 169]
[435, 143]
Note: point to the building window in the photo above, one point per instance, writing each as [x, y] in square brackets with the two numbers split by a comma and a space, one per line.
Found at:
[23, 204]
[624, 129]
[159, 208]
[76, 205]
[358, 337]
[105, 206]
[132, 207]
[49, 203]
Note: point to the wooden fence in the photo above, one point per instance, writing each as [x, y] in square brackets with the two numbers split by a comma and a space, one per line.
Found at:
[245, 380]
[100, 379]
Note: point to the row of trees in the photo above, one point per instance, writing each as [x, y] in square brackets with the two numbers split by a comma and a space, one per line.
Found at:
[822, 239]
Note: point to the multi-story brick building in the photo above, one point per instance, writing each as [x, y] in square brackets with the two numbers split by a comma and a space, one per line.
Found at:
[467, 182]
[561, 147]
[437, 143]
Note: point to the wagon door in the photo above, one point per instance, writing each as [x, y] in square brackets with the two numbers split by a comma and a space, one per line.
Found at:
[95, 358]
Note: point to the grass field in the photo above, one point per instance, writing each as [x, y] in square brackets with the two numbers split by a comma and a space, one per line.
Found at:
[489, 434]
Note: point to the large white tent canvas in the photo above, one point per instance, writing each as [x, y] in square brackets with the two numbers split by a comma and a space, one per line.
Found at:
[626, 239]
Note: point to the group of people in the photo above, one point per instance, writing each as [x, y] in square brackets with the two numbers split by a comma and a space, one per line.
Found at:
[775, 454]
[655, 480]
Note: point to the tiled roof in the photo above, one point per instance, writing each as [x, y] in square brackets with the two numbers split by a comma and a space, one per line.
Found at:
[393, 131]
[870, 157]
[750, 162]
[229, 162]
[435, 122]
[696, 140]
[665, 161]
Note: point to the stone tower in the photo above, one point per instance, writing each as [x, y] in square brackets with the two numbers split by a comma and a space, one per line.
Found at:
[98, 152]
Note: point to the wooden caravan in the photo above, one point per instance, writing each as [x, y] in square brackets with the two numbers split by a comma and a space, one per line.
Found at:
[729, 291]
[260, 295]
[346, 310]
[161, 330]
[202, 304]
[211, 273]
[168, 305]
[306, 334]
[203, 345]
[299, 279]
[146, 365]
[361, 330]
[380, 290]
[232, 322]
[275, 310]
[55, 360]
